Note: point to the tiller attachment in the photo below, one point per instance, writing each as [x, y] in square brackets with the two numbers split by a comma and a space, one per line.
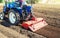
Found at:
[34, 24]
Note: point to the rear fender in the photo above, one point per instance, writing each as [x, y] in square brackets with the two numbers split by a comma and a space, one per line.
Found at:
[28, 8]
[18, 11]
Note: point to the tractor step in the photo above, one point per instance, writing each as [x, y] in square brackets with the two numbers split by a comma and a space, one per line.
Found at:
[35, 24]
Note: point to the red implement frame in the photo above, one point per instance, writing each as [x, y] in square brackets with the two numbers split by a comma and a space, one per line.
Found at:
[35, 24]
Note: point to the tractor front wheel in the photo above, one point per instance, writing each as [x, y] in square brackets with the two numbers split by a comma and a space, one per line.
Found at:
[1, 16]
[13, 17]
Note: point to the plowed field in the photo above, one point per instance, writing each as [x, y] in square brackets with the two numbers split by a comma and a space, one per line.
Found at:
[51, 13]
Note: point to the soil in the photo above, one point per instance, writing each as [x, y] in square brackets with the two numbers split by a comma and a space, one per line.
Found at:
[51, 13]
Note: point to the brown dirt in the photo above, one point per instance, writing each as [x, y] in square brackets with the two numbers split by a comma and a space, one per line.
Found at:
[2, 35]
[10, 33]
[51, 13]
[1, 8]
[50, 32]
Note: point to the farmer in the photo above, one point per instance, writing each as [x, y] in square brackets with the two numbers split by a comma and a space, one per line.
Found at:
[22, 2]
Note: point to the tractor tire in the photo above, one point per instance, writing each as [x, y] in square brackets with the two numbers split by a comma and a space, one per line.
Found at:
[14, 17]
[1, 16]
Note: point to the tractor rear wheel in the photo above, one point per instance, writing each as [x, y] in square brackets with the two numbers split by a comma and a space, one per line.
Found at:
[13, 17]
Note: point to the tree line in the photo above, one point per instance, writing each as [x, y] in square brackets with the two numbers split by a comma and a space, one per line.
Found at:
[32, 1]
[28, 1]
[1, 1]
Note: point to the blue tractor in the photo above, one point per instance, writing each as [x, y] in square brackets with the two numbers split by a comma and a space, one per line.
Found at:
[15, 12]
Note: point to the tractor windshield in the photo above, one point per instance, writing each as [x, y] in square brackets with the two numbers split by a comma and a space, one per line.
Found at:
[18, 3]
[9, 1]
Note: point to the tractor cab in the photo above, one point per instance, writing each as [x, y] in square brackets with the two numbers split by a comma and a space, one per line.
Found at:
[11, 4]
[16, 11]
[17, 5]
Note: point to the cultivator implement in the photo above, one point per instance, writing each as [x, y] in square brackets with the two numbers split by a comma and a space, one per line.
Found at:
[34, 24]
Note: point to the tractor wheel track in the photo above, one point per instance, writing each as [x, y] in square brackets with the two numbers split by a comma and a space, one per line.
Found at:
[10, 33]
